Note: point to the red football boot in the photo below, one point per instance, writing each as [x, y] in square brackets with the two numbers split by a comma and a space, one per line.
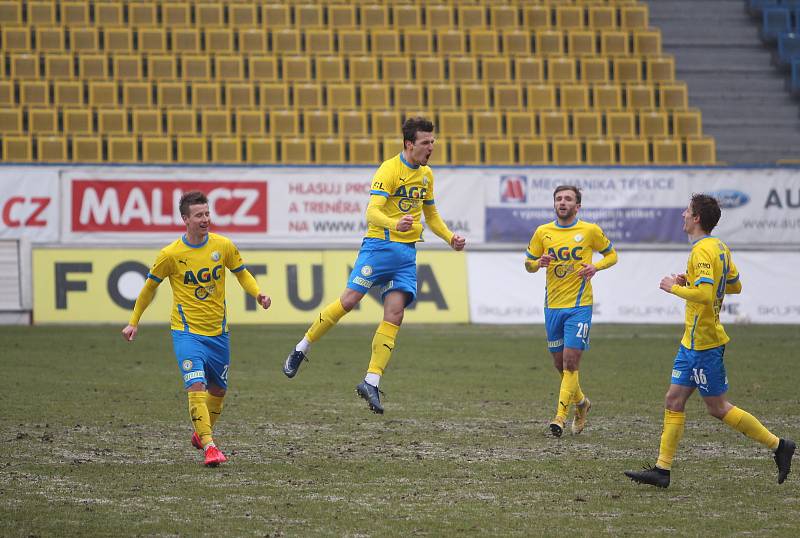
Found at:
[214, 456]
[196, 441]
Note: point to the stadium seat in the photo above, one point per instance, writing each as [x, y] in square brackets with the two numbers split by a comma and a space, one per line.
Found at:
[297, 68]
[516, 42]
[240, 94]
[228, 67]
[520, 124]
[286, 41]
[487, 124]
[352, 123]
[439, 16]
[600, 152]
[392, 145]
[84, 39]
[162, 67]
[308, 15]
[209, 14]
[647, 42]
[496, 69]
[307, 95]
[276, 16]
[574, 96]
[10, 12]
[284, 123]
[474, 96]
[330, 68]
[339, 96]
[34, 92]
[263, 68]
[17, 149]
[529, 70]
[396, 68]
[409, 96]
[541, 96]
[51, 149]
[673, 96]
[463, 69]
[567, 151]
[87, 149]
[241, 15]
[471, 16]
[561, 69]
[553, 123]
[614, 43]
[633, 152]
[115, 121]
[385, 41]
[374, 16]
[93, 67]
[620, 124]
[68, 93]
[499, 152]
[352, 41]
[687, 123]
[122, 149]
[74, 13]
[146, 122]
[602, 17]
[42, 121]
[318, 123]
[700, 150]
[206, 94]
[465, 151]
[16, 39]
[24, 66]
[640, 96]
[581, 42]
[127, 67]
[250, 122]
[363, 68]
[453, 124]
[660, 69]
[374, 96]
[152, 40]
[215, 122]
[108, 13]
[176, 14]
[50, 39]
[341, 16]
[587, 124]
[118, 39]
[385, 123]
[191, 150]
[181, 122]
[775, 20]
[295, 151]
[536, 17]
[139, 14]
[667, 151]
[653, 124]
[78, 121]
[627, 70]
[185, 40]
[430, 68]
[451, 42]
[156, 150]
[508, 97]
[274, 95]
[252, 41]
[594, 70]
[634, 16]
[41, 13]
[503, 16]
[533, 151]
[171, 94]
[417, 42]
[260, 150]
[484, 41]
[569, 16]
[329, 151]
[11, 121]
[226, 150]
[549, 43]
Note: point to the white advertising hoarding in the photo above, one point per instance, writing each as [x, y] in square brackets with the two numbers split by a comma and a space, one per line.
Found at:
[29, 202]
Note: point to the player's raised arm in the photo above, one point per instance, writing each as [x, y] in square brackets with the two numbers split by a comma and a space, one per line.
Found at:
[438, 226]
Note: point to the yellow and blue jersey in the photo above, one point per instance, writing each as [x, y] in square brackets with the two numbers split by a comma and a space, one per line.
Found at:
[710, 263]
[406, 189]
[197, 276]
[569, 246]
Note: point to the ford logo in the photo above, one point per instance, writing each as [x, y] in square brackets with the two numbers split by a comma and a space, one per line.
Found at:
[729, 198]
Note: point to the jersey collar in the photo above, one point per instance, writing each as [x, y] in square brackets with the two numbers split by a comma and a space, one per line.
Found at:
[698, 240]
[405, 162]
[190, 245]
[567, 226]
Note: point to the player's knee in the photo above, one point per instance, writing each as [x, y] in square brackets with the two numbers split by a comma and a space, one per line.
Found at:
[196, 387]
[674, 402]
[219, 392]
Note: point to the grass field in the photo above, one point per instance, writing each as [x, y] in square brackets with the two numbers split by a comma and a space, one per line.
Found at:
[95, 437]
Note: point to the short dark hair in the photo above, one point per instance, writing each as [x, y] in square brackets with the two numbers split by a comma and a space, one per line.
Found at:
[414, 125]
[707, 208]
[572, 188]
[191, 198]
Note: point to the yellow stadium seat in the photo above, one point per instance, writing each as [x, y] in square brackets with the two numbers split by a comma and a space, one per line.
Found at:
[108, 13]
[24, 66]
[627, 70]
[439, 16]
[363, 151]
[442, 96]
[50, 39]
[375, 96]
[191, 149]
[385, 122]
[385, 41]
[263, 68]
[561, 69]
[240, 95]
[11, 12]
[581, 42]
[660, 69]
[352, 123]
[209, 14]
[241, 15]
[226, 150]
[673, 96]
[549, 43]
[465, 151]
[318, 122]
[640, 96]
[475, 96]
[574, 96]
[620, 124]
[284, 123]
[553, 123]
[68, 94]
[499, 152]
[329, 151]
[533, 151]
[93, 67]
[374, 16]
[260, 150]
[276, 16]
[463, 69]
[647, 42]
[152, 40]
[601, 152]
[567, 151]
[296, 151]
[215, 122]
[614, 43]
[451, 41]
[250, 122]
[342, 16]
[140, 14]
[122, 149]
[252, 41]
[633, 152]
[667, 151]
[156, 150]
[330, 68]
[417, 41]
[17, 149]
[602, 17]
[392, 145]
[536, 17]
[541, 96]
[162, 67]
[6, 92]
[353, 41]
[176, 14]
[453, 124]
[471, 16]
[171, 94]
[516, 42]
[137, 94]
[78, 121]
[51, 149]
[41, 13]
[181, 122]
[34, 92]
[484, 41]
[219, 40]
[115, 120]
[11, 121]
[87, 149]
[147, 122]
[307, 95]
[84, 39]
[634, 16]
[529, 69]
[396, 68]
[430, 68]
[687, 123]
[363, 68]
[118, 39]
[16, 39]
[607, 96]
[229, 67]
[653, 124]
[185, 40]
[206, 94]
[286, 41]
[587, 124]
[127, 67]
[503, 16]
[487, 124]
[42, 121]
[520, 124]
[701, 150]
[408, 96]
[308, 16]
[569, 16]
[297, 68]
[496, 69]
[594, 70]
[508, 96]
[339, 96]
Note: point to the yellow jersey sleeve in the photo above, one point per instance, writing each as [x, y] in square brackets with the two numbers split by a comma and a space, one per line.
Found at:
[163, 267]
[385, 180]
[233, 259]
[601, 243]
[702, 265]
[535, 246]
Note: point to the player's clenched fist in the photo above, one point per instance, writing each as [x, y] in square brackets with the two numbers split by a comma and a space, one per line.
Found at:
[405, 223]
[458, 242]
[545, 260]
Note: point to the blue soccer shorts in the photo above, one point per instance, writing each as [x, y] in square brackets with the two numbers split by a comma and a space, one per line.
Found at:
[388, 264]
[568, 327]
[704, 369]
[202, 359]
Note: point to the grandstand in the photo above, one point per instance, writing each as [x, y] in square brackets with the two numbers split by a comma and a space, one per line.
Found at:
[262, 82]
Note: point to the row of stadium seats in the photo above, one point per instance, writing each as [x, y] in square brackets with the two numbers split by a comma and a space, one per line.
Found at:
[549, 123]
[314, 15]
[258, 150]
[490, 42]
[56, 66]
[369, 96]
